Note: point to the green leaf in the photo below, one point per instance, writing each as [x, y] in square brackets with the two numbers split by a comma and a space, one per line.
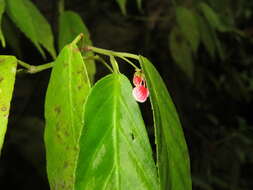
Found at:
[2, 9]
[139, 4]
[115, 150]
[181, 52]
[71, 25]
[32, 23]
[12, 36]
[172, 155]
[8, 66]
[208, 35]
[188, 26]
[122, 5]
[213, 18]
[66, 94]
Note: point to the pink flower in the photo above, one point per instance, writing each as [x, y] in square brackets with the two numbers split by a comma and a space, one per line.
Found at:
[140, 92]
[137, 80]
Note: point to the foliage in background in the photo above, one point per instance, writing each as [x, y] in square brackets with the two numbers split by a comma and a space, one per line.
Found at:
[209, 42]
[87, 147]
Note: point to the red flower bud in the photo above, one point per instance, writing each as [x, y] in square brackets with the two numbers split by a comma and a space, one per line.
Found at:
[137, 80]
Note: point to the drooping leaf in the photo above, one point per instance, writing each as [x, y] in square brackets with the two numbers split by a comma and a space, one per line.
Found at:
[32, 23]
[12, 36]
[181, 52]
[115, 150]
[42, 27]
[70, 26]
[8, 66]
[213, 18]
[207, 34]
[66, 94]
[188, 26]
[122, 5]
[2, 9]
[172, 155]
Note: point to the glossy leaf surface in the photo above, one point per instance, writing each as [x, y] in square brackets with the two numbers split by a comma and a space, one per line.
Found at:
[2, 9]
[8, 65]
[71, 25]
[188, 26]
[115, 151]
[181, 52]
[66, 94]
[172, 153]
[32, 23]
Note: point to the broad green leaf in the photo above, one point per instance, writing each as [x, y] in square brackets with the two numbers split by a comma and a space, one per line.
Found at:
[188, 26]
[207, 34]
[181, 52]
[32, 23]
[2, 9]
[115, 151]
[213, 18]
[122, 5]
[66, 94]
[70, 26]
[8, 66]
[172, 154]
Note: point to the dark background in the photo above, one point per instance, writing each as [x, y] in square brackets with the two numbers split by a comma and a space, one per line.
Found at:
[214, 108]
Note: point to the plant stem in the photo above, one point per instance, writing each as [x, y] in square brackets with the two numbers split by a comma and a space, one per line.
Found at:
[77, 39]
[101, 60]
[130, 62]
[35, 69]
[112, 53]
[114, 63]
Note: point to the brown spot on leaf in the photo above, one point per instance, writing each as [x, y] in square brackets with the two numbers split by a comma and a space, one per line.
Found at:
[79, 72]
[65, 164]
[79, 87]
[1, 79]
[2, 60]
[76, 148]
[57, 109]
[66, 133]
[3, 108]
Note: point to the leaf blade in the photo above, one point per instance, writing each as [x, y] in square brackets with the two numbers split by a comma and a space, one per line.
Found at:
[208, 35]
[67, 33]
[122, 5]
[213, 18]
[8, 66]
[188, 26]
[64, 107]
[2, 9]
[115, 152]
[44, 32]
[181, 52]
[172, 155]
[32, 23]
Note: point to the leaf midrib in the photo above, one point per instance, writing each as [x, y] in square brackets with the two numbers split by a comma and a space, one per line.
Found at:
[115, 132]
